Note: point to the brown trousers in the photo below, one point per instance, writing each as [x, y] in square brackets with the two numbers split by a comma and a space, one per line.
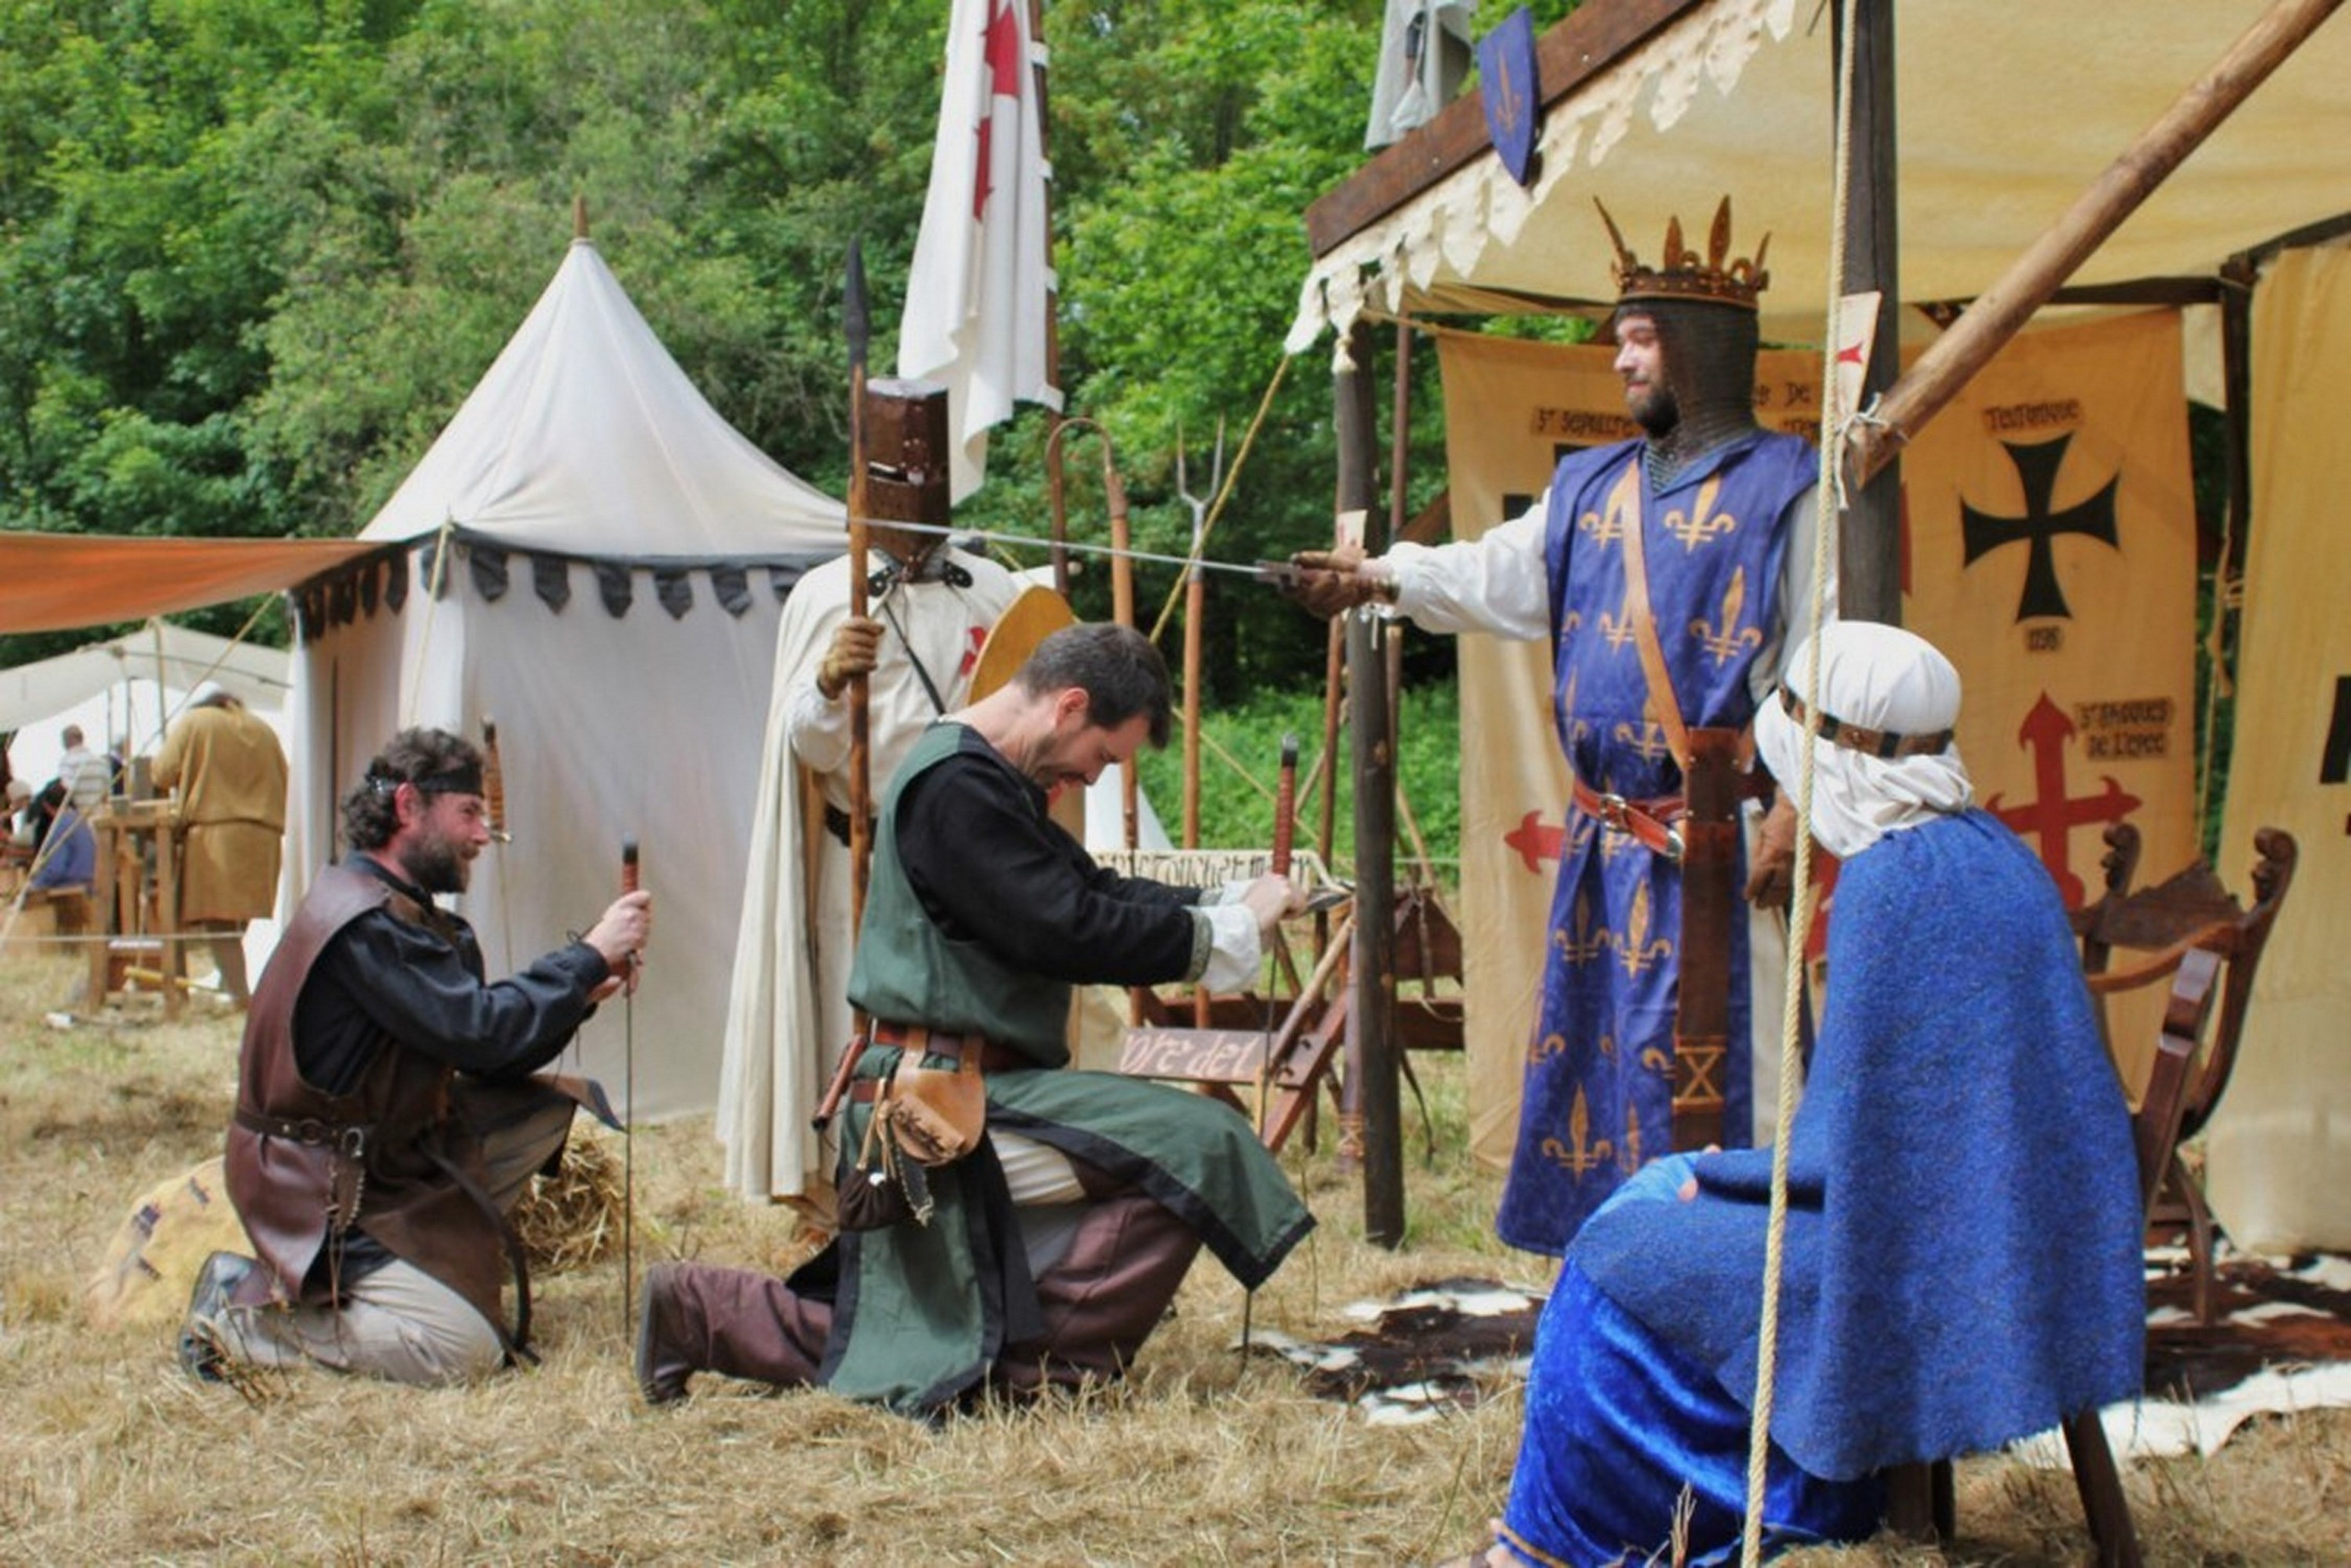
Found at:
[1101, 1301]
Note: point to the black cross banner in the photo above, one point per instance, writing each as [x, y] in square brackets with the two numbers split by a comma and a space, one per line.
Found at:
[2036, 469]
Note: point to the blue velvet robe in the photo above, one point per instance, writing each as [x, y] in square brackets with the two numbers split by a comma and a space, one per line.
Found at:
[1963, 1243]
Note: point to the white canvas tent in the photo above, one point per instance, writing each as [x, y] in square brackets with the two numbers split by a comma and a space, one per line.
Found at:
[591, 558]
[130, 685]
[2007, 110]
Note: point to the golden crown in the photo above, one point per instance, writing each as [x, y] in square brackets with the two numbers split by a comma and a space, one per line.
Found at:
[1682, 274]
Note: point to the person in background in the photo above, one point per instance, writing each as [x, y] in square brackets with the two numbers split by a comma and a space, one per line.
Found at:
[230, 776]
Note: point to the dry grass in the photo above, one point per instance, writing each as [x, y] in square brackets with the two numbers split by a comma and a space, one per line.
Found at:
[107, 1454]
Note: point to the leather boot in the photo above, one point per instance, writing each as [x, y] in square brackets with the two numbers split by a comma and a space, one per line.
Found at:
[202, 1347]
[739, 1322]
[663, 1351]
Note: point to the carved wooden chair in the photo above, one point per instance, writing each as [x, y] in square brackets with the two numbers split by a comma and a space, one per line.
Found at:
[2131, 940]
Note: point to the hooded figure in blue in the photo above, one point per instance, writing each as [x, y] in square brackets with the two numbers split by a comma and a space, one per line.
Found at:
[1962, 1262]
[1709, 500]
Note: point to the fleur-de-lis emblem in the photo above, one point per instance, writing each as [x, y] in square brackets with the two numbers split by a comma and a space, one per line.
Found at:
[1725, 641]
[1585, 943]
[1634, 949]
[1658, 1061]
[1617, 629]
[1546, 1048]
[1631, 1159]
[1604, 527]
[1648, 740]
[1580, 1154]
[1577, 729]
[1607, 1048]
[1568, 624]
[1702, 522]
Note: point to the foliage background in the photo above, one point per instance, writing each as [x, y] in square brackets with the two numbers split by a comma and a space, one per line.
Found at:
[254, 253]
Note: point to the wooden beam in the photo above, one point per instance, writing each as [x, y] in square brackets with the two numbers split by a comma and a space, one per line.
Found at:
[1869, 545]
[1571, 54]
[2319, 232]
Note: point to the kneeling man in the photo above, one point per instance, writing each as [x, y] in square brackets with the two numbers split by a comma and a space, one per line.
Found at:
[387, 1115]
[1056, 1243]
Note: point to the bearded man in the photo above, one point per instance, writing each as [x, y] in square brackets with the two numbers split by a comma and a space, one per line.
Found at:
[1067, 1221]
[1662, 569]
[387, 1115]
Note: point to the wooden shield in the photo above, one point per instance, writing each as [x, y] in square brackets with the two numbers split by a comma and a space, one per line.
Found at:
[1027, 621]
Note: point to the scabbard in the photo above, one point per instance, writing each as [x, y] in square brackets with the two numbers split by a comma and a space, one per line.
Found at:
[1709, 904]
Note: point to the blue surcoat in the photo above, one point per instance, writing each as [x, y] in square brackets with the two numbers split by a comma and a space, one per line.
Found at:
[1598, 1092]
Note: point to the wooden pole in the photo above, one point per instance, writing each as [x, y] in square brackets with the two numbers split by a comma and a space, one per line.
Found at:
[1373, 1080]
[861, 763]
[1060, 557]
[1869, 566]
[1998, 314]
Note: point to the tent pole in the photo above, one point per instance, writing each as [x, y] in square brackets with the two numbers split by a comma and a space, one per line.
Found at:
[2000, 311]
[1370, 1034]
[1869, 569]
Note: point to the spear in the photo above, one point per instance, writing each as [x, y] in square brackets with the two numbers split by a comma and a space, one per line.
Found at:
[857, 326]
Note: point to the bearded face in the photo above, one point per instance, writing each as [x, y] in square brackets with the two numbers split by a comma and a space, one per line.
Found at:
[1689, 369]
[439, 846]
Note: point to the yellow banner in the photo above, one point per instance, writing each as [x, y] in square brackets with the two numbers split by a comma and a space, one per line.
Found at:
[2048, 549]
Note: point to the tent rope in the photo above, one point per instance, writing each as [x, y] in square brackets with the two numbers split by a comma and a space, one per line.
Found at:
[415, 675]
[1828, 503]
[164, 724]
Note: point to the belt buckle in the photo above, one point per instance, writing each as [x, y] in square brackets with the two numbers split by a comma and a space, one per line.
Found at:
[1612, 811]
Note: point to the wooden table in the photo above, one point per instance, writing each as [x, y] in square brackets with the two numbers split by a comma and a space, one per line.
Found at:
[138, 913]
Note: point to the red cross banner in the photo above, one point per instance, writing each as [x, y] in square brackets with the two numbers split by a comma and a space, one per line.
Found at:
[979, 295]
[2048, 549]
[2281, 1137]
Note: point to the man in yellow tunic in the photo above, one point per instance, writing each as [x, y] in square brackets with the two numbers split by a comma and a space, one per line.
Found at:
[230, 775]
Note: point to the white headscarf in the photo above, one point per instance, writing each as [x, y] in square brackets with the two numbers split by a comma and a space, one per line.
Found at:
[1881, 678]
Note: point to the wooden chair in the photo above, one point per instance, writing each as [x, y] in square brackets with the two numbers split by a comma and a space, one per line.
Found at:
[2132, 940]
[1919, 1497]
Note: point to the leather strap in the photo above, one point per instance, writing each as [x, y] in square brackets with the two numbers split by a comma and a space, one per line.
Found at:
[1625, 510]
[1709, 830]
[922, 1041]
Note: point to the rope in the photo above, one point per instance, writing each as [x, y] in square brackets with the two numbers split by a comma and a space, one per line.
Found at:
[441, 542]
[1829, 489]
[1216, 508]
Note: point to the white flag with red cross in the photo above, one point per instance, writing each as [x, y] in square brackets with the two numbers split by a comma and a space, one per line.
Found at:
[979, 300]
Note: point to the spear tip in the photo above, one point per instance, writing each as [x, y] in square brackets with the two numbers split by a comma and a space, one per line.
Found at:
[855, 322]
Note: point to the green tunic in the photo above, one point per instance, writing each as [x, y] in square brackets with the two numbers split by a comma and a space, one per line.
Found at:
[923, 1310]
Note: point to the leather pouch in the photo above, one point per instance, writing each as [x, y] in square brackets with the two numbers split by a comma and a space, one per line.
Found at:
[938, 1113]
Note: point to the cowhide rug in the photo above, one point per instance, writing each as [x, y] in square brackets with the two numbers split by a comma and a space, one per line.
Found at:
[2282, 1341]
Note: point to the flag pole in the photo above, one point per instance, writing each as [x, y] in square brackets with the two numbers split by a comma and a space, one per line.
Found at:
[1053, 481]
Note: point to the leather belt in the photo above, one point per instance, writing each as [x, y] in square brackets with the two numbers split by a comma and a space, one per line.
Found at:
[921, 1040]
[349, 1136]
[1650, 822]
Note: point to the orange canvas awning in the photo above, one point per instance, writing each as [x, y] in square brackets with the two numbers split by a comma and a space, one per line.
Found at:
[55, 583]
